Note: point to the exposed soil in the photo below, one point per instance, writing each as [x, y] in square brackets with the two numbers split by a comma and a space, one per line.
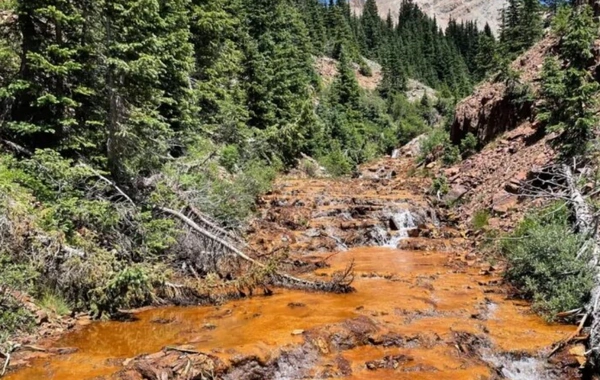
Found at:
[428, 309]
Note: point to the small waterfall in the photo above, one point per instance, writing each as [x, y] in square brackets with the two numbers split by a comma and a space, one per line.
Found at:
[403, 222]
[515, 367]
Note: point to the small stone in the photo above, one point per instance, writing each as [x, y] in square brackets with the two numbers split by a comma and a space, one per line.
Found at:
[41, 317]
[297, 332]
[294, 305]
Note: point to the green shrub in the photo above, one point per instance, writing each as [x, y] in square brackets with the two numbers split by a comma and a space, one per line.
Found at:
[13, 278]
[309, 167]
[336, 163]
[560, 21]
[440, 186]
[480, 219]
[543, 264]
[438, 146]
[451, 154]
[468, 145]
[433, 144]
[365, 69]
[230, 157]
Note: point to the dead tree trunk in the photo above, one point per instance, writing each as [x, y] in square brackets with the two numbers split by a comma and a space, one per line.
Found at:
[587, 226]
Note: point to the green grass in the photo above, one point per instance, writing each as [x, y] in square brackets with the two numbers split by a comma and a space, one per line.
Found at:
[55, 304]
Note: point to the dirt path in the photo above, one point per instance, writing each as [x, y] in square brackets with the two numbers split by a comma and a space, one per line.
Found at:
[428, 310]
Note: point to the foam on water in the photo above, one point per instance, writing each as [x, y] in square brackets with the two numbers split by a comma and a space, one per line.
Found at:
[520, 368]
[405, 222]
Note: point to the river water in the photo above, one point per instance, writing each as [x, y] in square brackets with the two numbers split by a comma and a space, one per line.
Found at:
[452, 318]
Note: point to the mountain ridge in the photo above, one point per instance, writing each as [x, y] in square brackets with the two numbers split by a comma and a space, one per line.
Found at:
[481, 11]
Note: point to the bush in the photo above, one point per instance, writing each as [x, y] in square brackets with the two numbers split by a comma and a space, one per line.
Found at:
[437, 146]
[440, 186]
[433, 143]
[55, 303]
[480, 219]
[451, 154]
[14, 277]
[365, 69]
[336, 163]
[543, 264]
[230, 156]
[468, 146]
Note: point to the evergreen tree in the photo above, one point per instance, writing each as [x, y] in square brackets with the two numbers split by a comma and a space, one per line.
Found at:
[218, 38]
[486, 59]
[521, 26]
[570, 93]
[345, 89]
[530, 24]
[147, 81]
[372, 27]
[48, 102]
[279, 70]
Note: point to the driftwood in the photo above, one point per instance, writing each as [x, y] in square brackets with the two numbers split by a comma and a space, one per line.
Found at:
[6, 363]
[7, 356]
[341, 284]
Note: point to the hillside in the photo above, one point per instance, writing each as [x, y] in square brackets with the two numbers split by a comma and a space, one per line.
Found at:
[332, 195]
[481, 11]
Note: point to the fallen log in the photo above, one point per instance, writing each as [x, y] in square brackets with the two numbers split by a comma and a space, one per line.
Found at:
[338, 285]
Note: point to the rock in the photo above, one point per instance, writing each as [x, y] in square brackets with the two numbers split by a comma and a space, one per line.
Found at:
[578, 352]
[451, 172]
[63, 350]
[470, 256]
[411, 149]
[455, 194]
[297, 332]
[413, 232]
[41, 317]
[504, 202]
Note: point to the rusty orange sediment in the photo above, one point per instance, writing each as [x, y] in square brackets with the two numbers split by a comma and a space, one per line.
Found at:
[426, 299]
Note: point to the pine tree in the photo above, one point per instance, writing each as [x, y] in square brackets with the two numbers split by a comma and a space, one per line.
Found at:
[218, 38]
[345, 89]
[570, 94]
[279, 70]
[314, 17]
[372, 27]
[530, 24]
[48, 102]
[341, 33]
[521, 26]
[141, 103]
[486, 59]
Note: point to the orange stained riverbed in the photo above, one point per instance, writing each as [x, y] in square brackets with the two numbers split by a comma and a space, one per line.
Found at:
[412, 293]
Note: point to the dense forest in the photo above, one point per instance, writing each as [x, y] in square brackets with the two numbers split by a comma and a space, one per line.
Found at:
[110, 110]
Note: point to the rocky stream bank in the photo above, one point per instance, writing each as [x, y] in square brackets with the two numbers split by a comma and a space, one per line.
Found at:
[425, 304]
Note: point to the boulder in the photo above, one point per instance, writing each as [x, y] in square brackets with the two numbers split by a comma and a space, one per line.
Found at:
[504, 202]
[456, 193]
